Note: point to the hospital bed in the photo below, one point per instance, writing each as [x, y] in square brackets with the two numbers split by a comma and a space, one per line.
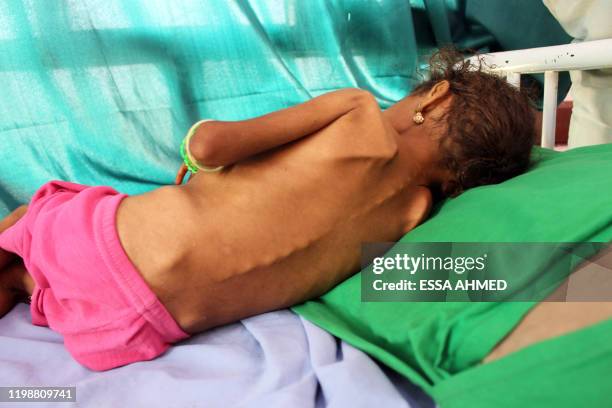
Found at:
[278, 359]
[564, 197]
[582, 56]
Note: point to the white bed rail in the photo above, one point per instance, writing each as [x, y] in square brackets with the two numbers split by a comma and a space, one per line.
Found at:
[550, 60]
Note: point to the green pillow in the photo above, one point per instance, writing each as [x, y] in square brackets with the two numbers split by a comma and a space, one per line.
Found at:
[565, 197]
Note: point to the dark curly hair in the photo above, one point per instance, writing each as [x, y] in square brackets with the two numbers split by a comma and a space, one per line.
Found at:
[489, 126]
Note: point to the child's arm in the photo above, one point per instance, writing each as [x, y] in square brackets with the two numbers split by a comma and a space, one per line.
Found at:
[8, 296]
[219, 143]
[13, 217]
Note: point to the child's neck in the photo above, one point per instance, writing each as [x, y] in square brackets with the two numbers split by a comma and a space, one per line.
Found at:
[401, 113]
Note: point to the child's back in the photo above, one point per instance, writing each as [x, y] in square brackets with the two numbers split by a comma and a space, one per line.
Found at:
[278, 228]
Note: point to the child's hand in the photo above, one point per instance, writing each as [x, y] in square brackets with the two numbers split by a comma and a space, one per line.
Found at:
[180, 175]
[11, 270]
[15, 285]
[7, 301]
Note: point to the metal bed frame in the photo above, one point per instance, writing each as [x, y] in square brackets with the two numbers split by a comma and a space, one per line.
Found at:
[581, 56]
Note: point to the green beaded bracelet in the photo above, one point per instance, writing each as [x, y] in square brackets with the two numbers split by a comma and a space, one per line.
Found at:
[192, 165]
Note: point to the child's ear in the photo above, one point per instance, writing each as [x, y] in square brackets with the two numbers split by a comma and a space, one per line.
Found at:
[438, 95]
[440, 89]
[419, 208]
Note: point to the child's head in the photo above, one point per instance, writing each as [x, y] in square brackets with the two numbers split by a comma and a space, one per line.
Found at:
[488, 129]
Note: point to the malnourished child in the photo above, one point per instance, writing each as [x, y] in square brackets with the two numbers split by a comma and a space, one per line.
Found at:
[280, 220]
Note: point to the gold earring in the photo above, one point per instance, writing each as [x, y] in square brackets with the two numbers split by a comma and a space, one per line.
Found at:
[418, 117]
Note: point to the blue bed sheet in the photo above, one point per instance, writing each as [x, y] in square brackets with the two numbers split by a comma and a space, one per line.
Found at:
[272, 360]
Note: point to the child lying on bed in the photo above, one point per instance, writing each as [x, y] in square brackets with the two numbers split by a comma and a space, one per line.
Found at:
[123, 277]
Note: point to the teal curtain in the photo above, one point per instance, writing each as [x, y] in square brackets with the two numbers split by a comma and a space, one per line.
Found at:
[490, 26]
[102, 91]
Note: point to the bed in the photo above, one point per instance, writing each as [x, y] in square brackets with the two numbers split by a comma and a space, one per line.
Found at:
[272, 360]
[303, 357]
